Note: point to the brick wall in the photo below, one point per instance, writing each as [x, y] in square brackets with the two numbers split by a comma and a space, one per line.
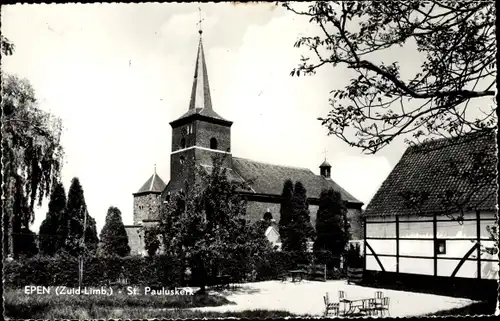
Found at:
[205, 131]
[146, 207]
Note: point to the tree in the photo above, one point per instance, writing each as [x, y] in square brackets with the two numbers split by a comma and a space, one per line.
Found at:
[114, 239]
[300, 230]
[457, 42]
[25, 243]
[31, 155]
[50, 241]
[450, 94]
[205, 226]
[332, 229]
[72, 225]
[151, 241]
[7, 46]
[286, 210]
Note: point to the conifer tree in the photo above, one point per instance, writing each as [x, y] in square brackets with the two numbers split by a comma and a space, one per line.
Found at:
[300, 228]
[114, 239]
[332, 230]
[71, 228]
[286, 213]
[50, 241]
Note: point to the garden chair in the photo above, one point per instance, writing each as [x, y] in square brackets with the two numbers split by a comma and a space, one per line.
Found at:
[383, 307]
[368, 307]
[330, 307]
[378, 298]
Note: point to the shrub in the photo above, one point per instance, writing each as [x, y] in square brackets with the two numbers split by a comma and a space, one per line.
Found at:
[354, 259]
[160, 270]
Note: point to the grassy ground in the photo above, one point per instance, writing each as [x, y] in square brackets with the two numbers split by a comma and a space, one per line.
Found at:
[50, 306]
[479, 308]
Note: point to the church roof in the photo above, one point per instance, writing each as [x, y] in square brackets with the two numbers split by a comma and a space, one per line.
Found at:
[201, 101]
[269, 178]
[426, 168]
[153, 185]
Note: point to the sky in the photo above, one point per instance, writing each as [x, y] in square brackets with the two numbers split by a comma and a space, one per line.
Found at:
[117, 74]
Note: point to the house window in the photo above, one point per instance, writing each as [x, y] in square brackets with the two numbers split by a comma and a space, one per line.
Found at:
[440, 246]
[213, 143]
[183, 143]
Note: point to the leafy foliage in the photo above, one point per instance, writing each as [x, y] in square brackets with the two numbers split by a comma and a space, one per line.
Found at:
[72, 225]
[354, 257]
[62, 269]
[151, 241]
[332, 228]
[50, 241]
[205, 226]
[7, 46]
[300, 230]
[31, 154]
[286, 212]
[114, 239]
[25, 243]
[456, 41]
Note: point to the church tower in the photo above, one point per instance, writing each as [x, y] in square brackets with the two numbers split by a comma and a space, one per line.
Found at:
[147, 199]
[200, 133]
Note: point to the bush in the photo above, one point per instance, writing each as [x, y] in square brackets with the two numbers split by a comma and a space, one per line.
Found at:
[274, 264]
[354, 259]
[98, 270]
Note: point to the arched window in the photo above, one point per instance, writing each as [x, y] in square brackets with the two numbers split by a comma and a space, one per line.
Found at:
[182, 158]
[183, 143]
[213, 143]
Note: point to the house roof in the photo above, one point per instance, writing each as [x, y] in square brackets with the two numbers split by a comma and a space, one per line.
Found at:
[426, 169]
[269, 178]
[153, 185]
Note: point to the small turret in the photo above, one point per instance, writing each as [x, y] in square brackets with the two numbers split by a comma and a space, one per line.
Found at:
[325, 169]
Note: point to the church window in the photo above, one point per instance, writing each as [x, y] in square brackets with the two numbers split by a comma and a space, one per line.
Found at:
[183, 143]
[213, 143]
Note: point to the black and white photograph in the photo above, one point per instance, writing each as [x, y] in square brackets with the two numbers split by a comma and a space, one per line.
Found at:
[326, 159]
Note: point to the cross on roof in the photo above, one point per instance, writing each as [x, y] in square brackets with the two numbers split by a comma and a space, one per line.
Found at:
[199, 22]
[324, 152]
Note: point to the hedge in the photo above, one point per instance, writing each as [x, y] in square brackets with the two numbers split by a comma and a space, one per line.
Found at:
[101, 270]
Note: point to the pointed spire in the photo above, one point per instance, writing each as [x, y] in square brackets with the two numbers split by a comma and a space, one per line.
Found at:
[200, 94]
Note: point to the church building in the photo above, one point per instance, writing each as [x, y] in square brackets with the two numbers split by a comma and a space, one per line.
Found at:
[200, 134]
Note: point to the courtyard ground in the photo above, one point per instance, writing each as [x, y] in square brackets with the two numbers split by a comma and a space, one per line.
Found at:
[306, 298]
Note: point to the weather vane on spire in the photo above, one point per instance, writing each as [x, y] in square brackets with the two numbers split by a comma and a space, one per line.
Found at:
[200, 31]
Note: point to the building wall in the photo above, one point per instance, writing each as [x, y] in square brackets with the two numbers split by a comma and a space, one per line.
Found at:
[256, 210]
[135, 240]
[416, 239]
[146, 207]
[205, 131]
